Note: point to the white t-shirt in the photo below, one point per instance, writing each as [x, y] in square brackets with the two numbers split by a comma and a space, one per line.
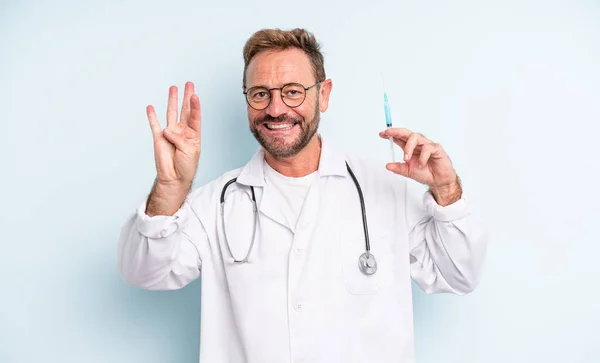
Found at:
[291, 191]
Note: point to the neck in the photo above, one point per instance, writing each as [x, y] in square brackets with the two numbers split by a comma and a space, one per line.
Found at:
[301, 164]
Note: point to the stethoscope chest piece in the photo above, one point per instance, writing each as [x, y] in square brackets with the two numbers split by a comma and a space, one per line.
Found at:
[367, 263]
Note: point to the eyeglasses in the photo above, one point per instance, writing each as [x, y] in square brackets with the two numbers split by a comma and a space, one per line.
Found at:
[292, 94]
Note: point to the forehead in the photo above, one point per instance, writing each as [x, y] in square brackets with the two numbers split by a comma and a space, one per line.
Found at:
[276, 68]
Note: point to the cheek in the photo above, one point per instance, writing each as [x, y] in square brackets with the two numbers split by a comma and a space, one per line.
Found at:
[306, 110]
[307, 113]
[253, 115]
[309, 108]
[309, 104]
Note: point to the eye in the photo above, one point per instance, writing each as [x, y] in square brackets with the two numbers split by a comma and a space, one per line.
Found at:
[259, 95]
[294, 92]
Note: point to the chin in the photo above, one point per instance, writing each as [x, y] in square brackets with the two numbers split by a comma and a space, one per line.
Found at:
[281, 151]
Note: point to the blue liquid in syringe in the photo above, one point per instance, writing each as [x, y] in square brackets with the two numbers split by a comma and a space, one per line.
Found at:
[388, 114]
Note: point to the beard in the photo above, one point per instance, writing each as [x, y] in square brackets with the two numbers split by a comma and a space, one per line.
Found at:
[279, 148]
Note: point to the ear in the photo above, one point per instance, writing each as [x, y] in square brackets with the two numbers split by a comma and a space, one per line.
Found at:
[326, 86]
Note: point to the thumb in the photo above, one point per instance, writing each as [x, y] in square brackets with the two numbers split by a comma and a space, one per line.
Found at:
[175, 139]
[398, 168]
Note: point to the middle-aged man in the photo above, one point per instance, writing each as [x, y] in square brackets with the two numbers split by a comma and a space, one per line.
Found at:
[306, 253]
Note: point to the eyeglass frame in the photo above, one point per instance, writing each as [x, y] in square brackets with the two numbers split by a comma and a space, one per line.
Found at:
[270, 90]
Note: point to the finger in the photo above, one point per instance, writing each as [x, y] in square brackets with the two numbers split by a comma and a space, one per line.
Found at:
[176, 139]
[398, 168]
[426, 152]
[172, 107]
[154, 124]
[398, 142]
[400, 133]
[185, 107]
[195, 118]
[396, 133]
[411, 144]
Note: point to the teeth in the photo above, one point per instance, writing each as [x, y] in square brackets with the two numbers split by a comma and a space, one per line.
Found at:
[279, 126]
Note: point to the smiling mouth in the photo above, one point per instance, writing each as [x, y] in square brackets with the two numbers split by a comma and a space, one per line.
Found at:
[279, 126]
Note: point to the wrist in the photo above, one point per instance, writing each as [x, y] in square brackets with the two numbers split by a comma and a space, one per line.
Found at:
[166, 199]
[447, 194]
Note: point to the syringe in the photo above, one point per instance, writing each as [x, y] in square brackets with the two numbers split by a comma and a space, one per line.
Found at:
[388, 122]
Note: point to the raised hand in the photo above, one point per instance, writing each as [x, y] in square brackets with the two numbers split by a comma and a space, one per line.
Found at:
[176, 151]
[426, 162]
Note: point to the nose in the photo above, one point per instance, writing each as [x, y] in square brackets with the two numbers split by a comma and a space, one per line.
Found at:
[276, 107]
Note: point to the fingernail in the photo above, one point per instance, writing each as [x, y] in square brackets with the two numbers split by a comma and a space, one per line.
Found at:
[405, 156]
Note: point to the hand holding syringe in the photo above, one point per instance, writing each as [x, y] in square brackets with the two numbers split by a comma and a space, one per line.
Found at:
[423, 160]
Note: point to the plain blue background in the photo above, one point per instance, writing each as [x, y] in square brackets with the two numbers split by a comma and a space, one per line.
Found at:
[511, 89]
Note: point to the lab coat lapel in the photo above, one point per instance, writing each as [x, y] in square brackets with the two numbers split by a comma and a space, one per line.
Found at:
[269, 207]
[253, 174]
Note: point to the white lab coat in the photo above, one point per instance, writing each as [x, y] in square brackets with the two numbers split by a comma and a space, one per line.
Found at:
[302, 297]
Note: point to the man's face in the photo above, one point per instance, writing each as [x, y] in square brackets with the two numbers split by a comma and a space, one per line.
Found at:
[282, 130]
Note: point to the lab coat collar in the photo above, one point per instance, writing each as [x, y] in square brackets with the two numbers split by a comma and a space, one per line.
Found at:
[331, 163]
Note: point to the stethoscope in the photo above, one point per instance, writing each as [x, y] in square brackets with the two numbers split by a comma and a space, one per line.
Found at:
[366, 261]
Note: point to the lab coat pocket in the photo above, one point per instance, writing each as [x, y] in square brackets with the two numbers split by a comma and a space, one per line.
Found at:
[352, 247]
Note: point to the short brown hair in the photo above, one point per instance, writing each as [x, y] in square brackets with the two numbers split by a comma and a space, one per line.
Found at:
[277, 39]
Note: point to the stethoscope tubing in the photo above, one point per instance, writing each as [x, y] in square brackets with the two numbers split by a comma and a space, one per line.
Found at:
[367, 262]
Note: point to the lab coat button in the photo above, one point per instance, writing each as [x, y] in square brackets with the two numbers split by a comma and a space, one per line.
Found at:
[298, 307]
[298, 251]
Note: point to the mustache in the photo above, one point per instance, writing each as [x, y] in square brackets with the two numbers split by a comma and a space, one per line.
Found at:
[280, 118]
